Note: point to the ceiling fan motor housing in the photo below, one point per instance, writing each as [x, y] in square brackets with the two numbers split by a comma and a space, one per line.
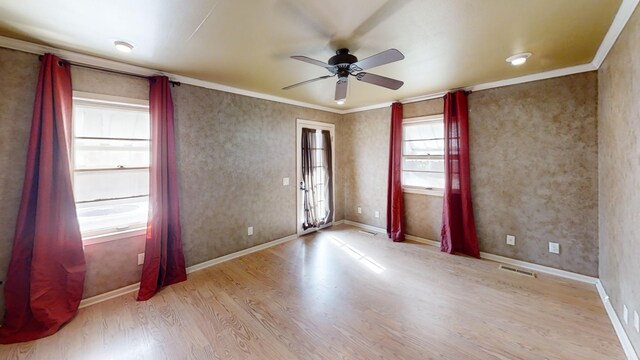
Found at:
[342, 57]
[343, 60]
[343, 64]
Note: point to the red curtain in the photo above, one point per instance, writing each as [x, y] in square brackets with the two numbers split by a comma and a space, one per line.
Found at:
[395, 210]
[458, 225]
[164, 259]
[46, 273]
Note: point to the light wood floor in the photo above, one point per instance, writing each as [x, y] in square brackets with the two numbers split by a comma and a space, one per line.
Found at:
[341, 294]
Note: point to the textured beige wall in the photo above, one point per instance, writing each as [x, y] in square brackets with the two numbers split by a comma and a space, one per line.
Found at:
[104, 83]
[533, 166]
[423, 108]
[366, 147]
[619, 195]
[112, 265]
[17, 92]
[534, 170]
[233, 152]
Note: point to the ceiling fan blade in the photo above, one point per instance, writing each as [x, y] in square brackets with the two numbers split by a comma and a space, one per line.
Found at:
[313, 61]
[386, 11]
[383, 81]
[382, 58]
[310, 14]
[341, 88]
[306, 82]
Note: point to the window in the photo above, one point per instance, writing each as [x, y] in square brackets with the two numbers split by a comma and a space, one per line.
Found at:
[319, 175]
[320, 178]
[423, 154]
[111, 138]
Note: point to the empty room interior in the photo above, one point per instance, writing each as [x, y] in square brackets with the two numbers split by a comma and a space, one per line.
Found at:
[299, 179]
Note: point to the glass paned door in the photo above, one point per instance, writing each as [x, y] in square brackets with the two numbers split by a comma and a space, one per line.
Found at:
[315, 180]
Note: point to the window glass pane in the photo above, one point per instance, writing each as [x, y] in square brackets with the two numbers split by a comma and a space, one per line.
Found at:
[112, 215]
[94, 185]
[318, 156]
[112, 122]
[423, 164]
[423, 179]
[423, 147]
[97, 154]
[423, 130]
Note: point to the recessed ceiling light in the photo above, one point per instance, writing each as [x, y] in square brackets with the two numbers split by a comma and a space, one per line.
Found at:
[340, 102]
[123, 46]
[518, 59]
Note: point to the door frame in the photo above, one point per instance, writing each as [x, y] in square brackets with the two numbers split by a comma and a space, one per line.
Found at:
[301, 123]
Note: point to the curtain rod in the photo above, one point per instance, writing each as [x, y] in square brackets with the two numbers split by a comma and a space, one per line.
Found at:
[173, 83]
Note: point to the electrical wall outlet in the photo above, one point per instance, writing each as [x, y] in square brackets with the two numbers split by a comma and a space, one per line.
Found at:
[625, 314]
[285, 181]
[377, 214]
[359, 210]
[141, 259]
[511, 240]
[636, 321]
[250, 230]
[554, 248]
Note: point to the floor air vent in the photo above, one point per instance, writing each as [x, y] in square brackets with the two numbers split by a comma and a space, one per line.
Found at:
[367, 232]
[518, 271]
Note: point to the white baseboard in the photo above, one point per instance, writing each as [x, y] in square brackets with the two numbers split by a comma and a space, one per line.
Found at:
[109, 295]
[134, 287]
[422, 240]
[617, 324]
[519, 263]
[240, 253]
[540, 268]
[366, 227]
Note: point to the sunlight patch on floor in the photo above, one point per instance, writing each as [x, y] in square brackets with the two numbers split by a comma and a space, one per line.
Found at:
[362, 258]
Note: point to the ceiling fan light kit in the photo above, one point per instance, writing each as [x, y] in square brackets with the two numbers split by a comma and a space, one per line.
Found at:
[343, 64]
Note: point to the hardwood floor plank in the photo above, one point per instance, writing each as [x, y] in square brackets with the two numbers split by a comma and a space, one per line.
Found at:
[341, 294]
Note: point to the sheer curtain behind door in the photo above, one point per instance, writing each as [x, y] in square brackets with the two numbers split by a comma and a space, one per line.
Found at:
[316, 178]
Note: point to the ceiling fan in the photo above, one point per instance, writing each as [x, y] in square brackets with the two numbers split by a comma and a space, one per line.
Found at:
[343, 64]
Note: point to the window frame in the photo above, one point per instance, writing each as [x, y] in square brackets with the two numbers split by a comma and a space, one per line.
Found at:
[416, 189]
[112, 102]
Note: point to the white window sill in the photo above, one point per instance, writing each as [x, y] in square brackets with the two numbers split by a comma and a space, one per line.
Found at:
[421, 191]
[97, 239]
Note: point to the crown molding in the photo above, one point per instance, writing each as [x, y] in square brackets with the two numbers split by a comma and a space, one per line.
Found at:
[627, 7]
[625, 11]
[387, 104]
[533, 77]
[79, 58]
[486, 86]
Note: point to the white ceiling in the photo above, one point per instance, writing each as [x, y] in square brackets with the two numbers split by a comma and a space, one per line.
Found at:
[246, 44]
